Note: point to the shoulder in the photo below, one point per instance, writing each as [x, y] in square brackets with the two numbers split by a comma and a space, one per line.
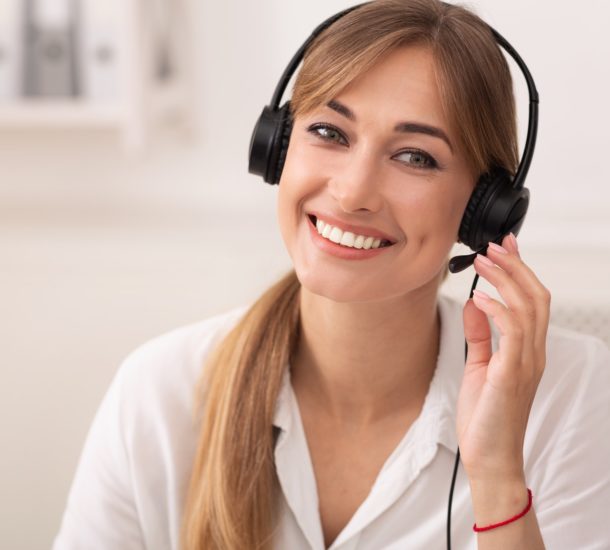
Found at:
[574, 362]
[566, 447]
[154, 387]
[177, 355]
[138, 453]
[153, 407]
[573, 391]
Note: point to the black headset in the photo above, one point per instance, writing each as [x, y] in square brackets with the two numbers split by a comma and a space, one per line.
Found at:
[498, 203]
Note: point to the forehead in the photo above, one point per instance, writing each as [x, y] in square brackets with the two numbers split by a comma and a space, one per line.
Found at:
[402, 84]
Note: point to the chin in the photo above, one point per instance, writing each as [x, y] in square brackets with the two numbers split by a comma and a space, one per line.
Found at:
[341, 294]
[345, 287]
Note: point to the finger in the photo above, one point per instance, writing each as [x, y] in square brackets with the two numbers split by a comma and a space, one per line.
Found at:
[518, 269]
[478, 336]
[502, 372]
[514, 296]
[526, 280]
[510, 243]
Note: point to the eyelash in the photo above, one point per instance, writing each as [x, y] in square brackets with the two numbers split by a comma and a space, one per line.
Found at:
[313, 129]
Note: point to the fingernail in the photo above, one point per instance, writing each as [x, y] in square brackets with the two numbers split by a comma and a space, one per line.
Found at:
[513, 242]
[498, 248]
[480, 294]
[485, 260]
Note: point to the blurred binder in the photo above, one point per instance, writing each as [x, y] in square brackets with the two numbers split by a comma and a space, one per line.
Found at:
[101, 52]
[10, 49]
[50, 56]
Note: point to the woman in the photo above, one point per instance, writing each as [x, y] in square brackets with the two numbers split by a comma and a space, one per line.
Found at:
[328, 415]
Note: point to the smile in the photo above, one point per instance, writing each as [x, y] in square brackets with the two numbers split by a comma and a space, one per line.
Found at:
[347, 238]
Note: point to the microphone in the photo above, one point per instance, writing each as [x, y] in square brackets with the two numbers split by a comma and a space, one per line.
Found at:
[459, 263]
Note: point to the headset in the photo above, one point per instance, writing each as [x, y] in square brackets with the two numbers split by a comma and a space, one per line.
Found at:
[496, 207]
[498, 203]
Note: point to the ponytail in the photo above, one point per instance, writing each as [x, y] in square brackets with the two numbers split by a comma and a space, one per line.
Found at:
[233, 491]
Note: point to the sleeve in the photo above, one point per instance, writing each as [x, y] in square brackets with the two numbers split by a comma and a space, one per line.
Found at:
[575, 485]
[101, 513]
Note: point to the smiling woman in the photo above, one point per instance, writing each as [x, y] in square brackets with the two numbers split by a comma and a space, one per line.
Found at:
[328, 415]
[421, 187]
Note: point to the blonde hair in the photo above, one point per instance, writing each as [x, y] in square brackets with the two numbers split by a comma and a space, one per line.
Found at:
[472, 74]
[233, 494]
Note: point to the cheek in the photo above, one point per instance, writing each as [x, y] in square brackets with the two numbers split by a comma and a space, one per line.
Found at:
[285, 215]
[294, 188]
[448, 215]
[431, 214]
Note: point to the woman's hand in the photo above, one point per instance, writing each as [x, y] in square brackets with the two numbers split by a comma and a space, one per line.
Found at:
[498, 388]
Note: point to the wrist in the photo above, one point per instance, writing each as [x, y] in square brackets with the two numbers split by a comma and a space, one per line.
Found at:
[494, 501]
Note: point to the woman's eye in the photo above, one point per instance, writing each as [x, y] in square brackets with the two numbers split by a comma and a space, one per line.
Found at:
[414, 158]
[417, 159]
[327, 133]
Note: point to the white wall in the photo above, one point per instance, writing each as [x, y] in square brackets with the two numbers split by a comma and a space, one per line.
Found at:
[99, 252]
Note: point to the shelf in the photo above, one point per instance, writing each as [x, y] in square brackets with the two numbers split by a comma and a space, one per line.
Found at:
[59, 113]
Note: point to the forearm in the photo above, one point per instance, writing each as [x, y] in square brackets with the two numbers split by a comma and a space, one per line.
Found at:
[494, 502]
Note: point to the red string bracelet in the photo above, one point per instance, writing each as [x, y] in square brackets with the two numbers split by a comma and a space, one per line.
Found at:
[514, 518]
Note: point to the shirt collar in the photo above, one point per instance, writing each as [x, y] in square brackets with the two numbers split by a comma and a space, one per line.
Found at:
[447, 378]
[283, 412]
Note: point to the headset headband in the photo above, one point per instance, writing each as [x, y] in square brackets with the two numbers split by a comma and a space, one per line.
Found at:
[532, 127]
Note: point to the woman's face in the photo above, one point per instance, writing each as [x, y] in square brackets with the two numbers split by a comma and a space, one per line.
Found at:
[378, 161]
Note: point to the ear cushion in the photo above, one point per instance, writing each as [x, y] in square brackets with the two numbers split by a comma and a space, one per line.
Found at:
[269, 143]
[282, 141]
[474, 228]
[472, 212]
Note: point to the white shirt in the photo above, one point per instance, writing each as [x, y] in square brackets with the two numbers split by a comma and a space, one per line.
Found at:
[133, 472]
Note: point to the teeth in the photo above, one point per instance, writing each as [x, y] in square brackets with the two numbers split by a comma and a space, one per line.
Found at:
[335, 235]
[346, 238]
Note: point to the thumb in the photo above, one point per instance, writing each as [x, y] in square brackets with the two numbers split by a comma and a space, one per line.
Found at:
[478, 336]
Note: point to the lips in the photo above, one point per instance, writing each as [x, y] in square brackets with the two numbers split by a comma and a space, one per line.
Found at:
[386, 240]
[346, 239]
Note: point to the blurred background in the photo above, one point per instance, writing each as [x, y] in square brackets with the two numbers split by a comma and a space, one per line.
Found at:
[126, 208]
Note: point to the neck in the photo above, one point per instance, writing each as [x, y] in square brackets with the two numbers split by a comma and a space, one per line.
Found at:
[362, 363]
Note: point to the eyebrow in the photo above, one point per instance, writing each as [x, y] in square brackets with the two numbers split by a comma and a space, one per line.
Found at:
[404, 127]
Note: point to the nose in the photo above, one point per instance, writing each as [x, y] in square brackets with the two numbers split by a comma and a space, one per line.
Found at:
[356, 185]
